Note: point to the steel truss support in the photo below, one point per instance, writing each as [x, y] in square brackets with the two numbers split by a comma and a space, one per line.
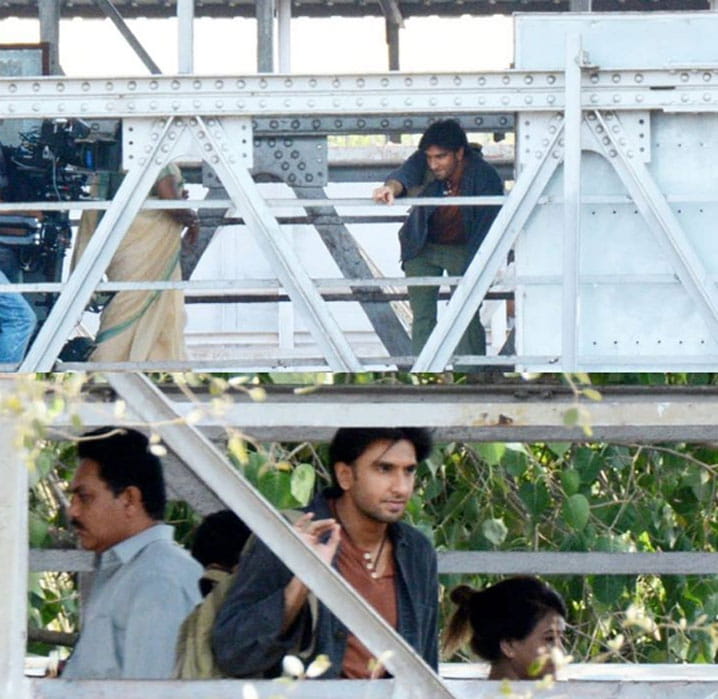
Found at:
[415, 678]
[275, 245]
[113, 14]
[211, 142]
[98, 254]
[14, 556]
[663, 223]
[491, 256]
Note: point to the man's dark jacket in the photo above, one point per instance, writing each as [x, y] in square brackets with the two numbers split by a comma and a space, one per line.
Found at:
[246, 637]
[478, 179]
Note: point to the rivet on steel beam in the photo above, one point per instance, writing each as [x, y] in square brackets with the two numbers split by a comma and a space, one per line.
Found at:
[176, 105]
[528, 99]
[60, 87]
[433, 80]
[153, 105]
[311, 103]
[36, 87]
[505, 100]
[241, 84]
[36, 107]
[706, 97]
[482, 101]
[594, 78]
[685, 98]
[219, 104]
[262, 103]
[338, 103]
[263, 83]
[384, 82]
[545, 142]
[556, 155]
[384, 102]
[153, 84]
[197, 84]
[551, 99]
[196, 104]
[594, 98]
[131, 107]
[215, 159]
[638, 77]
[175, 85]
[132, 85]
[359, 102]
[287, 103]
[457, 80]
[208, 147]
[312, 82]
[528, 79]
[505, 79]
[707, 76]
[629, 153]
[432, 102]
[639, 98]
[407, 81]
[616, 78]
[616, 99]
[482, 81]
[457, 102]
[685, 77]
[606, 140]
[612, 153]
[550, 79]
[11, 108]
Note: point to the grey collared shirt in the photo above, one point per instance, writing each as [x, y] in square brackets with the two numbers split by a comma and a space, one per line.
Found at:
[144, 588]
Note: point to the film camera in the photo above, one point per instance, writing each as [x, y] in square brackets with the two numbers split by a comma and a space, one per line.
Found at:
[52, 163]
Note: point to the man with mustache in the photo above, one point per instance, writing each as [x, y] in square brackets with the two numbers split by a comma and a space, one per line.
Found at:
[144, 584]
[436, 239]
[355, 527]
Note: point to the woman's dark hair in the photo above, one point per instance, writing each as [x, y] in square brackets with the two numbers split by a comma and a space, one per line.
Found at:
[349, 443]
[124, 459]
[219, 539]
[508, 610]
[445, 133]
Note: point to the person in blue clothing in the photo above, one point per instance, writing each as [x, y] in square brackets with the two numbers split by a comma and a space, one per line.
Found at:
[17, 319]
[355, 527]
[438, 239]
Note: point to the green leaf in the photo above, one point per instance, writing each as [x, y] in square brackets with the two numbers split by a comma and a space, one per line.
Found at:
[576, 511]
[570, 417]
[302, 483]
[494, 530]
[570, 481]
[515, 463]
[535, 497]
[38, 530]
[491, 452]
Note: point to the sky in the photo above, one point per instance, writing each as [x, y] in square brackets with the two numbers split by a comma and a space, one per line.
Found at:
[95, 47]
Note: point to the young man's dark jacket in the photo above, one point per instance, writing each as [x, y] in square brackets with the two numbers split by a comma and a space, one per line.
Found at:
[478, 179]
[246, 637]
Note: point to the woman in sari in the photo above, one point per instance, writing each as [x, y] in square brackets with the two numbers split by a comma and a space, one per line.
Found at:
[147, 325]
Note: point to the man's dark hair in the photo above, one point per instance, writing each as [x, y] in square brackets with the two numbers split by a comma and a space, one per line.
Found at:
[124, 459]
[350, 443]
[446, 133]
[219, 539]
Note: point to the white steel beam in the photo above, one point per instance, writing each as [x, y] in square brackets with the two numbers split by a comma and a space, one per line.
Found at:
[185, 36]
[659, 216]
[491, 256]
[284, 35]
[571, 204]
[97, 256]
[415, 678]
[220, 153]
[14, 557]
[690, 90]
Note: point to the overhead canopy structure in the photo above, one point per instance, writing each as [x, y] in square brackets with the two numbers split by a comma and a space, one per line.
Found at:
[349, 8]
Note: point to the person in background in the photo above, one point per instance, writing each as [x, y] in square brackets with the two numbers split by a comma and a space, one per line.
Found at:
[146, 325]
[514, 625]
[435, 239]
[144, 584]
[17, 319]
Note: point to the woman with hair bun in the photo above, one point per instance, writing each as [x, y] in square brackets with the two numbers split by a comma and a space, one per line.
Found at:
[513, 625]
